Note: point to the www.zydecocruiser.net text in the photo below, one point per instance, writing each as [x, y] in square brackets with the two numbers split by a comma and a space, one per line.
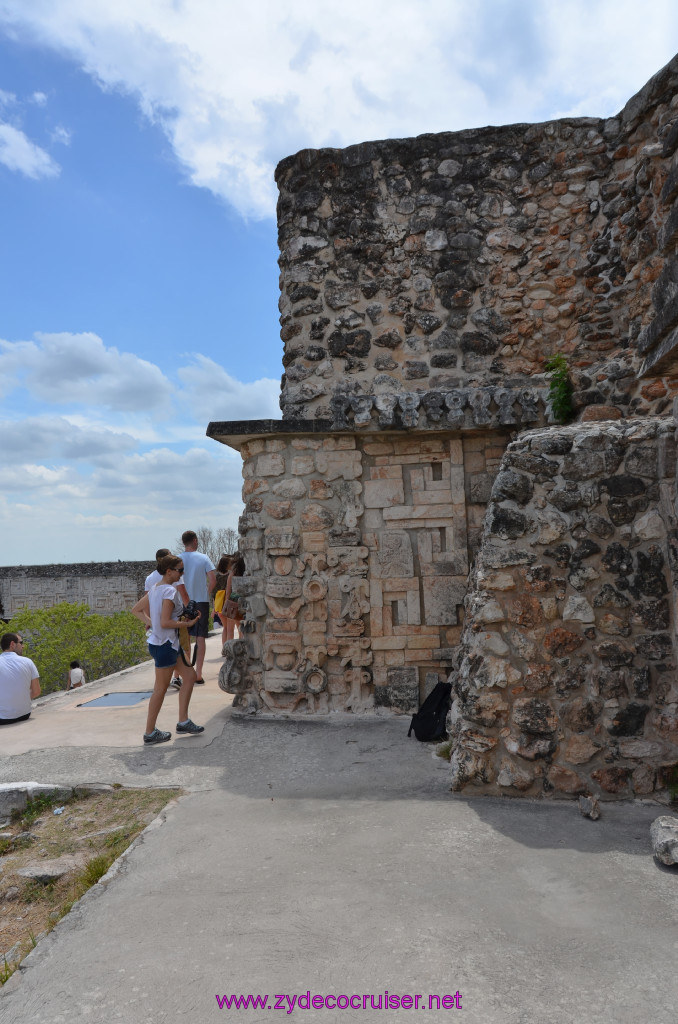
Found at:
[381, 1001]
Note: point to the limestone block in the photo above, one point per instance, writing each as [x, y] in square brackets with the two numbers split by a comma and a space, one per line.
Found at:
[564, 780]
[650, 526]
[580, 749]
[283, 587]
[513, 776]
[497, 581]
[270, 465]
[290, 488]
[277, 681]
[417, 513]
[664, 836]
[383, 493]
[281, 542]
[394, 555]
[302, 465]
[442, 596]
[335, 464]
[578, 609]
[490, 611]
[401, 690]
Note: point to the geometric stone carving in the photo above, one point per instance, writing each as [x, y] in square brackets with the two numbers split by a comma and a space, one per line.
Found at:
[442, 596]
[393, 557]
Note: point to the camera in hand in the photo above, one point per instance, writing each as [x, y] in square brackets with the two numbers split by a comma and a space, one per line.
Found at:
[190, 611]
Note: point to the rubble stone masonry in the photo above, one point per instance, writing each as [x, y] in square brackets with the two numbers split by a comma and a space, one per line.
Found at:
[416, 513]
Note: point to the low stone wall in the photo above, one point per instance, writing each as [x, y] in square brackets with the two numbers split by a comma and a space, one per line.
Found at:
[567, 675]
[104, 586]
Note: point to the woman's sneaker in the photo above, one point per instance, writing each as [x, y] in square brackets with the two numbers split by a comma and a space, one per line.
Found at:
[157, 736]
[189, 726]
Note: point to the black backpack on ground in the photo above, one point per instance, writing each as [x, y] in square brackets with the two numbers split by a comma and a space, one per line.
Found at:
[429, 721]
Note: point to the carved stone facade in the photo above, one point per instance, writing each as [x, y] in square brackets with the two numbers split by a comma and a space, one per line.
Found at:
[357, 549]
[103, 586]
[424, 284]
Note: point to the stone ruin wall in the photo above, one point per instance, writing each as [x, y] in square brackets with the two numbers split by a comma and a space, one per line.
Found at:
[424, 283]
[104, 586]
[566, 681]
[465, 259]
[357, 552]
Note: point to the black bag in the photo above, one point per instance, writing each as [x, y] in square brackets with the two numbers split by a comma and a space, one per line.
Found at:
[429, 721]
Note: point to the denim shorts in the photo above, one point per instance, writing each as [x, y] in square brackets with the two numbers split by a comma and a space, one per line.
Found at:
[163, 655]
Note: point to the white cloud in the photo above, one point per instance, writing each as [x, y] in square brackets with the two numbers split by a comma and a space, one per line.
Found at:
[102, 476]
[39, 98]
[61, 135]
[238, 87]
[54, 438]
[214, 394]
[68, 368]
[18, 153]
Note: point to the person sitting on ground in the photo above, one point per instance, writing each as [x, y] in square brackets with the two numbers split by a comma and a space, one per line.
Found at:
[76, 676]
[155, 578]
[19, 680]
[159, 609]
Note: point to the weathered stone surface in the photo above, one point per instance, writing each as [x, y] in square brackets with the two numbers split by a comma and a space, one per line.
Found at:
[418, 304]
[401, 691]
[580, 749]
[629, 720]
[46, 871]
[578, 609]
[589, 807]
[530, 747]
[582, 714]
[612, 780]
[486, 709]
[513, 486]
[564, 780]
[513, 776]
[534, 716]
[562, 641]
[664, 836]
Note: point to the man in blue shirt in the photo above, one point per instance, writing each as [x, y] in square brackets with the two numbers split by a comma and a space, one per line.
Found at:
[199, 579]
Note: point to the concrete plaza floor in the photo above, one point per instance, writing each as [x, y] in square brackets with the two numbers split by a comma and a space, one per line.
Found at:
[329, 857]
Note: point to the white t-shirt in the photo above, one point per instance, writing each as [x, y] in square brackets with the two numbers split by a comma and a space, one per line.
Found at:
[196, 567]
[76, 676]
[157, 635]
[155, 577]
[16, 673]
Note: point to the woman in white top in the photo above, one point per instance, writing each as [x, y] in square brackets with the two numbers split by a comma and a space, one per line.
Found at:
[159, 609]
[76, 677]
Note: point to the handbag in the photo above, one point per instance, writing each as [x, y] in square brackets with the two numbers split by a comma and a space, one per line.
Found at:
[219, 599]
[232, 610]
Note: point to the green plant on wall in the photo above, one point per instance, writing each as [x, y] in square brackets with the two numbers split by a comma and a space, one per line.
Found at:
[560, 388]
[56, 636]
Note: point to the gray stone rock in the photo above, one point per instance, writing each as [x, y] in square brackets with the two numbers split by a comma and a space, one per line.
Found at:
[12, 955]
[589, 807]
[512, 486]
[664, 836]
[51, 870]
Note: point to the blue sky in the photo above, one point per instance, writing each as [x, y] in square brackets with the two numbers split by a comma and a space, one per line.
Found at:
[138, 275]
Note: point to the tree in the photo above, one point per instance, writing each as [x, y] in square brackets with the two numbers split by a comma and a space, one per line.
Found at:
[214, 543]
[56, 636]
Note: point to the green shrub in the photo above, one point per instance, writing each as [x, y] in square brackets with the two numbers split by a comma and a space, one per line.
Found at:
[71, 632]
[560, 388]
